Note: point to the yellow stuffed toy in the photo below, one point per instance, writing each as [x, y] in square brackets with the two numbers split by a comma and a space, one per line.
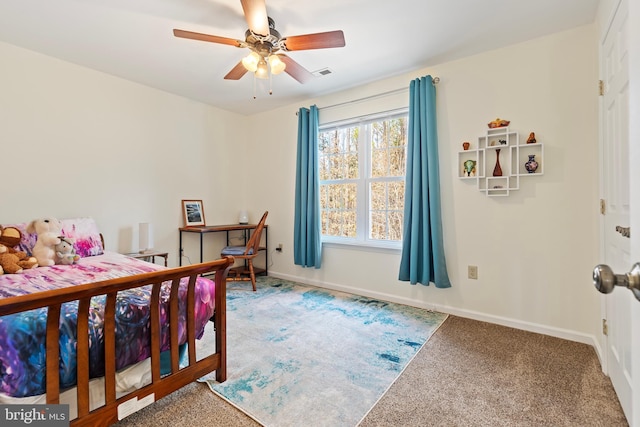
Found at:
[11, 260]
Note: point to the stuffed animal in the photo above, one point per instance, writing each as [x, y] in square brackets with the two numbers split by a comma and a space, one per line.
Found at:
[11, 260]
[48, 230]
[65, 252]
[11, 263]
[10, 237]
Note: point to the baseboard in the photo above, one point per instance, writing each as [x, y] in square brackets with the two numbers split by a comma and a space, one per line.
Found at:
[469, 314]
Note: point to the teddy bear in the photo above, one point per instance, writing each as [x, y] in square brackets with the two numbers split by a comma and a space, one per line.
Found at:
[48, 231]
[11, 260]
[11, 263]
[65, 252]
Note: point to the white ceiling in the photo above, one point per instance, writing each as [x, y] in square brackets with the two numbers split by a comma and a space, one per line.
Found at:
[133, 39]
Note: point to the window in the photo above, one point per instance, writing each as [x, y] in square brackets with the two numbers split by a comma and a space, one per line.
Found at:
[362, 174]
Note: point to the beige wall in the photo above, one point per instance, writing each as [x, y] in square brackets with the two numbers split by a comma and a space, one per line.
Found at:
[81, 143]
[124, 153]
[534, 249]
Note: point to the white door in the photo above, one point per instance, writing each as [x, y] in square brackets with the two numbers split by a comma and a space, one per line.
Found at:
[621, 305]
[634, 178]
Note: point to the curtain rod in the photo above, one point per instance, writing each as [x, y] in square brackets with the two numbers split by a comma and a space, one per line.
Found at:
[436, 80]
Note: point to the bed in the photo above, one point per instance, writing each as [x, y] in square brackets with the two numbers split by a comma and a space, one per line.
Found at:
[126, 329]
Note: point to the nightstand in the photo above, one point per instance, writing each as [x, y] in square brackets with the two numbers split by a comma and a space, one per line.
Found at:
[150, 256]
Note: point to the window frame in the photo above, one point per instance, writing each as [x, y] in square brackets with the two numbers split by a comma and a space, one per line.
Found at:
[363, 182]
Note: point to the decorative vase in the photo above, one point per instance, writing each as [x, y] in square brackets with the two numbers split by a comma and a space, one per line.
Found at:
[470, 167]
[497, 170]
[466, 145]
[531, 165]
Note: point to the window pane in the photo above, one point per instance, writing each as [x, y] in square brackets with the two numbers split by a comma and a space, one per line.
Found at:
[395, 225]
[324, 217]
[379, 163]
[324, 142]
[337, 167]
[350, 197]
[378, 196]
[386, 225]
[333, 197]
[349, 224]
[379, 154]
[323, 195]
[338, 208]
[334, 226]
[386, 210]
[388, 147]
[378, 226]
[338, 154]
[397, 161]
[396, 195]
[398, 132]
[378, 135]
[323, 167]
[351, 163]
[351, 137]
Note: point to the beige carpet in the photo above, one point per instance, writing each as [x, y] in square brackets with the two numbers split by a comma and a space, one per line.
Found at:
[469, 374]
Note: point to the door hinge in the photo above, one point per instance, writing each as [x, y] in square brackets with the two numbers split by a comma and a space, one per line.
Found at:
[601, 87]
[603, 207]
[605, 328]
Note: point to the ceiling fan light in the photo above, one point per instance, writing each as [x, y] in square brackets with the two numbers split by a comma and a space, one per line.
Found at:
[251, 61]
[262, 71]
[276, 64]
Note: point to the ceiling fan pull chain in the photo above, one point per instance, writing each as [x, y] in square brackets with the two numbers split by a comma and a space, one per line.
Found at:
[270, 81]
[254, 85]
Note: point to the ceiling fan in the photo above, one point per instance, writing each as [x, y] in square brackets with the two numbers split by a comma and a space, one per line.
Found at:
[266, 45]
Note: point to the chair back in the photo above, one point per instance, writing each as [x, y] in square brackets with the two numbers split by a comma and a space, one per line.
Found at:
[254, 241]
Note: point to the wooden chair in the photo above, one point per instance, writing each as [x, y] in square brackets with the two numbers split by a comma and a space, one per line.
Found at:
[248, 252]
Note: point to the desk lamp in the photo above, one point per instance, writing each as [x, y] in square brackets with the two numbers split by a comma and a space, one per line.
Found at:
[146, 237]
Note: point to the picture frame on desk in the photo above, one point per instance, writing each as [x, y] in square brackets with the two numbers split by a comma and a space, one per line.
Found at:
[193, 212]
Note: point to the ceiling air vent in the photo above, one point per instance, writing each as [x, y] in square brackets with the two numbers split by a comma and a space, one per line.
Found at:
[322, 72]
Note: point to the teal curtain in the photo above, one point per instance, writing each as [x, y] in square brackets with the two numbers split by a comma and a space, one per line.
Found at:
[307, 244]
[422, 246]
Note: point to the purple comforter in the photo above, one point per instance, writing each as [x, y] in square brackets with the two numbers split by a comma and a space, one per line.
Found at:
[22, 335]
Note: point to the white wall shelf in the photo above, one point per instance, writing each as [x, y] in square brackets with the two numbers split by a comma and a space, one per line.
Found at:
[503, 144]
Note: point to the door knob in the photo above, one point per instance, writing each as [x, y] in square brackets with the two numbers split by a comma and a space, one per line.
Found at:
[605, 280]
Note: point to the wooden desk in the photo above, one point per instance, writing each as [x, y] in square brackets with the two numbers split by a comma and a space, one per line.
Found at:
[204, 229]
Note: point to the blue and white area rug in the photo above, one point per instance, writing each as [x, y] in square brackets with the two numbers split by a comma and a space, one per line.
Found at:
[304, 356]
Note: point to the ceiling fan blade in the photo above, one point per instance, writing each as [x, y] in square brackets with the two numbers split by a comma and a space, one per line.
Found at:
[206, 38]
[236, 72]
[255, 12]
[296, 70]
[315, 41]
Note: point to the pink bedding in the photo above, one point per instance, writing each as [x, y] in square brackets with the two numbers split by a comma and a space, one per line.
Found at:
[22, 335]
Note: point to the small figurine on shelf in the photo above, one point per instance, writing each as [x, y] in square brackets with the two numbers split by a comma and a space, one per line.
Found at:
[469, 168]
[532, 138]
[502, 141]
[498, 123]
[466, 145]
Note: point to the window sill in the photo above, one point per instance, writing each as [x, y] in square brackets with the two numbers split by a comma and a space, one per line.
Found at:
[382, 247]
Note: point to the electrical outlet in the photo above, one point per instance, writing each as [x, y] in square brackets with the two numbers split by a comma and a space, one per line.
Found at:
[473, 272]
